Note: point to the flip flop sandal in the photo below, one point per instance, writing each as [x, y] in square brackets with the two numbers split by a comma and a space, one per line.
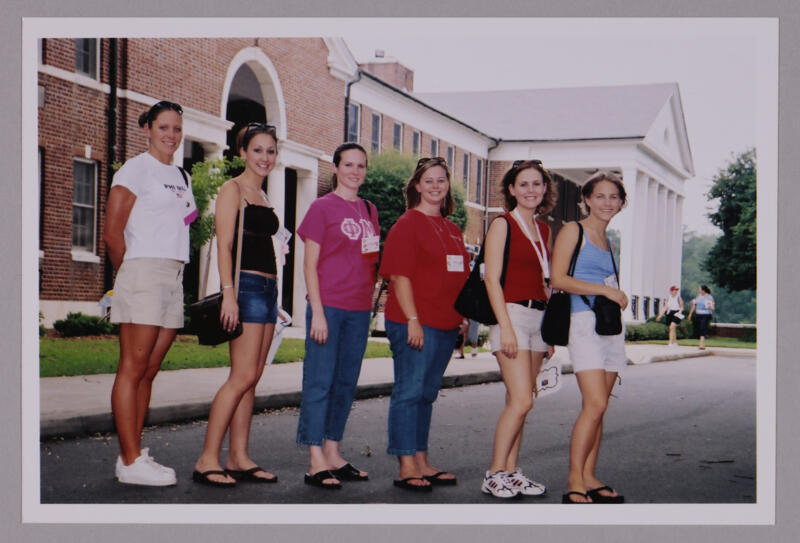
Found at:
[406, 485]
[596, 497]
[565, 498]
[249, 475]
[437, 480]
[318, 477]
[203, 478]
[349, 472]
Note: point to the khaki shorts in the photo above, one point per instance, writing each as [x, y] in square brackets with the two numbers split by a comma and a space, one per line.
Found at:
[590, 351]
[149, 291]
[527, 324]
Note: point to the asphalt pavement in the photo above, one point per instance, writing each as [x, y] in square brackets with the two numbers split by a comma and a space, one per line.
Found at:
[81, 405]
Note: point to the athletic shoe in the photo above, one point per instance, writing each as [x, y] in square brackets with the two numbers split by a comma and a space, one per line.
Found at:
[146, 453]
[525, 486]
[498, 486]
[144, 472]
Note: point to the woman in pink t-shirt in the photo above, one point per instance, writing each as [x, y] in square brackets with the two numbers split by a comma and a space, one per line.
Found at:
[427, 263]
[342, 238]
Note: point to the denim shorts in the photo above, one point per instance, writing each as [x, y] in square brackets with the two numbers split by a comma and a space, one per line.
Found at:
[258, 298]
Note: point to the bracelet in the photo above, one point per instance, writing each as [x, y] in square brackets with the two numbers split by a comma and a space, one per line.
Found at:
[412, 318]
[227, 286]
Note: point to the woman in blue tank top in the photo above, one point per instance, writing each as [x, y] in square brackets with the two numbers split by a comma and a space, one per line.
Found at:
[596, 359]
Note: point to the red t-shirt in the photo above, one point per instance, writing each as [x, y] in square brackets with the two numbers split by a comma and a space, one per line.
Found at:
[417, 247]
[524, 272]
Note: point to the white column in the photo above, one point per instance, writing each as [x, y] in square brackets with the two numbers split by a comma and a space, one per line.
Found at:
[306, 194]
[669, 243]
[626, 222]
[660, 285]
[276, 192]
[639, 233]
[650, 266]
[677, 263]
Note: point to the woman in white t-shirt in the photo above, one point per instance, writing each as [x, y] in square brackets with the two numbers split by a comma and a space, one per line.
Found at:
[150, 206]
[673, 309]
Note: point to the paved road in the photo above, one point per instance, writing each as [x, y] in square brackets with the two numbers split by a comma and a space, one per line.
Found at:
[676, 432]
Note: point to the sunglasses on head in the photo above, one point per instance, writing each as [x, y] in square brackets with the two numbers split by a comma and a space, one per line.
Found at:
[517, 163]
[164, 104]
[434, 159]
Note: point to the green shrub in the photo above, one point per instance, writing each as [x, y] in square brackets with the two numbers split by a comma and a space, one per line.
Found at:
[749, 335]
[78, 324]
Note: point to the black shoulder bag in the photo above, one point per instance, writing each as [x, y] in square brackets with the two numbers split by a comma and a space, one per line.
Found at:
[555, 323]
[608, 313]
[473, 300]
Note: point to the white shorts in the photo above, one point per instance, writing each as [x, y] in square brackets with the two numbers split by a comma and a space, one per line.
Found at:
[590, 351]
[149, 291]
[527, 323]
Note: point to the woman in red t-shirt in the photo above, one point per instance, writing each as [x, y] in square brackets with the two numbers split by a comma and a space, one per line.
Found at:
[427, 263]
[518, 305]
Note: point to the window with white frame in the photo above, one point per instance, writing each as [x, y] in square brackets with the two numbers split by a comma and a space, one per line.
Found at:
[87, 55]
[376, 132]
[397, 136]
[434, 147]
[353, 121]
[84, 205]
[479, 182]
[416, 143]
[465, 172]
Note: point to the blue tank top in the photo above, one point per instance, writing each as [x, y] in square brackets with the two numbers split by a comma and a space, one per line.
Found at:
[593, 266]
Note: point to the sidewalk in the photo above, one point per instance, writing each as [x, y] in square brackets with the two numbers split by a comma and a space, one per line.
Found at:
[82, 404]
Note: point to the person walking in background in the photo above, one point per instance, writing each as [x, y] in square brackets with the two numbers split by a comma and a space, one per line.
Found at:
[427, 263]
[256, 307]
[518, 305]
[596, 359]
[472, 337]
[150, 206]
[342, 240]
[673, 309]
[703, 303]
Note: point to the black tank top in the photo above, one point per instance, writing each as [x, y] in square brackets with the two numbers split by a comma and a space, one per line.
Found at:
[258, 254]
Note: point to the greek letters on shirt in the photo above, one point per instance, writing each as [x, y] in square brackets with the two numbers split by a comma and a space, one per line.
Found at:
[353, 230]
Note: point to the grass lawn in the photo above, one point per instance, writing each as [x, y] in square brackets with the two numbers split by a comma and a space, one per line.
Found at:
[87, 356]
[710, 342]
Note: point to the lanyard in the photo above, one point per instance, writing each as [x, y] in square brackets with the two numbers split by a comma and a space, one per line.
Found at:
[542, 260]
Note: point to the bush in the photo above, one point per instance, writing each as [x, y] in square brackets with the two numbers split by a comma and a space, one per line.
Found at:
[651, 329]
[42, 329]
[749, 335]
[78, 324]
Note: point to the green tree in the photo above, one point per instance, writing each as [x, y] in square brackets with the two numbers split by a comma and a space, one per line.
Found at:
[735, 307]
[732, 260]
[207, 177]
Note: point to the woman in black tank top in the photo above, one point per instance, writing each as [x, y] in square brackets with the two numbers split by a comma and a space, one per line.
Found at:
[255, 306]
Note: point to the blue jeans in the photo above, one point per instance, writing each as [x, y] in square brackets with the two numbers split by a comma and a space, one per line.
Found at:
[330, 375]
[417, 378]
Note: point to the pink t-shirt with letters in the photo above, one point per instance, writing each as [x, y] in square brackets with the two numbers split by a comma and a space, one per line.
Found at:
[346, 276]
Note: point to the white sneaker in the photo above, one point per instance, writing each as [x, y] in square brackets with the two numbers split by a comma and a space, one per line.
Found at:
[525, 486]
[146, 453]
[143, 472]
[498, 486]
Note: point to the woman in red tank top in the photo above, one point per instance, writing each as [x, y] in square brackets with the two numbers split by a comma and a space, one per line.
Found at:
[518, 305]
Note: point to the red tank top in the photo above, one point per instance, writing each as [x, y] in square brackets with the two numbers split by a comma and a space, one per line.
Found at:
[524, 273]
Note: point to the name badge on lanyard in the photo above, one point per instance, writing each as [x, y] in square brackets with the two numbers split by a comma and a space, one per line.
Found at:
[455, 263]
[370, 244]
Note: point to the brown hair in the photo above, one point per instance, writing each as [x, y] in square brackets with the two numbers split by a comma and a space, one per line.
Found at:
[588, 188]
[337, 158]
[510, 177]
[250, 130]
[151, 114]
[413, 196]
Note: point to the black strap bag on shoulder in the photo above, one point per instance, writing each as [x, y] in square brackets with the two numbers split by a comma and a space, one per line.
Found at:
[473, 300]
[555, 323]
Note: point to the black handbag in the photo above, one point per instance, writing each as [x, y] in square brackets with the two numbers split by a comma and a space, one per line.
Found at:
[204, 314]
[473, 300]
[555, 323]
[607, 313]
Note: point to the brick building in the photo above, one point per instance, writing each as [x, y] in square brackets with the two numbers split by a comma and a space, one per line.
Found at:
[91, 92]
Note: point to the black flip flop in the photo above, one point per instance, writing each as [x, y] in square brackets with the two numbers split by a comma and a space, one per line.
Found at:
[203, 479]
[437, 480]
[565, 498]
[249, 475]
[349, 472]
[318, 477]
[596, 497]
[404, 484]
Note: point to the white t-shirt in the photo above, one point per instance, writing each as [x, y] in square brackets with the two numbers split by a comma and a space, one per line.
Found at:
[158, 226]
[673, 304]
